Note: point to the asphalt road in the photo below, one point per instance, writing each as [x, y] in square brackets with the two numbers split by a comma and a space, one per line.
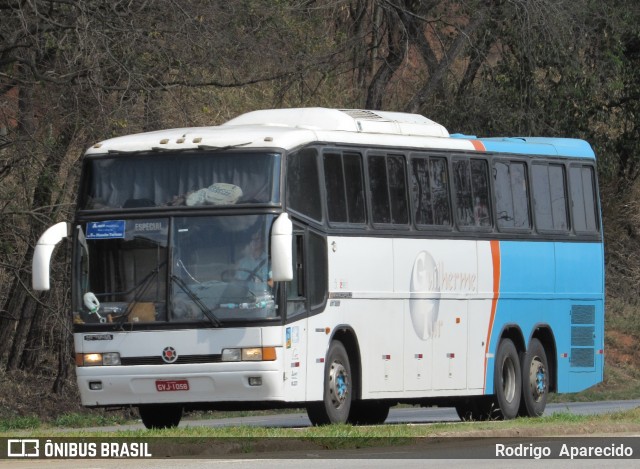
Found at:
[406, 415]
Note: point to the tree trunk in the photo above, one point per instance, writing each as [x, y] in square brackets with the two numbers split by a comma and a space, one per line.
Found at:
[34, 347]
[436, 75]
[11, 313]
[64, 360]
[28, 311]
[396, 52]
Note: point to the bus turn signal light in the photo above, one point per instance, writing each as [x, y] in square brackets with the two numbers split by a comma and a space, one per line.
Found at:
[98, 359]
[250, 354]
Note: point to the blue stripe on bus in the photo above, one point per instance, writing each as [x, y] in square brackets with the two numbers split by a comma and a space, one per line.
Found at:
[540, 284]
[540, 146]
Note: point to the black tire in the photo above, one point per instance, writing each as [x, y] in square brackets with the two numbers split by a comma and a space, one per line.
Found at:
[368, 413]
[338, 389]
[507, 380]
[478, 409]
[535, 380]
[160, 416]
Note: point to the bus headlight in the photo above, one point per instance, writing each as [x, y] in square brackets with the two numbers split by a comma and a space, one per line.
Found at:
[231, 355]
[251, 354]
[98, 359]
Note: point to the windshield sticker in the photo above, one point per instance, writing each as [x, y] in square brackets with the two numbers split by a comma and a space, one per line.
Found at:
[150, 226]
[113, 229]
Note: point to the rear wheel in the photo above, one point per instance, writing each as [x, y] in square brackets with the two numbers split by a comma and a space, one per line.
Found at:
[338, 389]
[507, 380]
[535, 380]
[160, 416]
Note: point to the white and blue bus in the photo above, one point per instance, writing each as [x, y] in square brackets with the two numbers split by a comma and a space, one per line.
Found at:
[339, 260]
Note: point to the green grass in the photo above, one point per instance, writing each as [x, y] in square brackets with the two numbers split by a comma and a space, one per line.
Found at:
[72, 420]
[78, 420]
[20, 423]
[564, 423]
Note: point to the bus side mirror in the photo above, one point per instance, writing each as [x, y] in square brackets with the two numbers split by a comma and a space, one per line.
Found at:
[281, 249]
[42, 254]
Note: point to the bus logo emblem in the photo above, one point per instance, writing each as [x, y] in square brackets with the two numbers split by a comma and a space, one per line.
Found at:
[169, 355]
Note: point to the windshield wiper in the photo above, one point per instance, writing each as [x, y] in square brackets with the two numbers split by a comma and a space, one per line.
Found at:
[138, 290]
[189, 292]
[223, 148]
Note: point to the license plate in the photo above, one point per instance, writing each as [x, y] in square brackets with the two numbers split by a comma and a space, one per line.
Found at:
[172, 385]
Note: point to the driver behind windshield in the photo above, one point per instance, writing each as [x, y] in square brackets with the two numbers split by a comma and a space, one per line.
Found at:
[254, 265]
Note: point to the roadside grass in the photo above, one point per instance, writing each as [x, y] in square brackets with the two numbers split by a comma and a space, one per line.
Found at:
[556, 424]
[69, 420]
[30, 422]
[79, 420]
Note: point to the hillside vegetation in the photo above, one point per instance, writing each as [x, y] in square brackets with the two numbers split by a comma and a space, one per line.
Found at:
[75, 72]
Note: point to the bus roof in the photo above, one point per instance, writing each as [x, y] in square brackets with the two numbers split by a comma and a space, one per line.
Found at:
[291, 128]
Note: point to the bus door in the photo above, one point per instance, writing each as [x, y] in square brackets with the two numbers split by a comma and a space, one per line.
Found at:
[295, 330]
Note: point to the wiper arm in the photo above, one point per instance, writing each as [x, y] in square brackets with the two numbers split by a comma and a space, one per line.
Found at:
[223, 148]
[207, 312]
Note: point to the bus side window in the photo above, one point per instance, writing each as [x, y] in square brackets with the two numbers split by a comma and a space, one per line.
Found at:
[344, 184]
[334, 184]
[397, 190]
[583, 199]
[379, 190]
[309, 274]
[430, 191]
[317, 268]
[471, 187]
[303, 184]
[355, 187]
[549, 195]
[388, 187]
[512, 197]
[296, 300]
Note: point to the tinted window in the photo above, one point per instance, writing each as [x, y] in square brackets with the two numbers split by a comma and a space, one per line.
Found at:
[379, 189]
[388, 189]
[354, 187]
[168, 179]
[549, 196]
[512, 198]
[303, 190]
[429, 189]
[583, 198]
[472, 193]
[296, 300]
[397, 190]
[317, 268]
[334, 184]
[345, 187]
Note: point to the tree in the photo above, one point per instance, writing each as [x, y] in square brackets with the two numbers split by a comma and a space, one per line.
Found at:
[76, 71]
[84, 70]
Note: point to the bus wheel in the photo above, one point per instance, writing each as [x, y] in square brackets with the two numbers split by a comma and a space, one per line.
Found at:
[336, 403]
[507, 379]
[160, 416]
[479, 408]
[368, 413]
[535, 380]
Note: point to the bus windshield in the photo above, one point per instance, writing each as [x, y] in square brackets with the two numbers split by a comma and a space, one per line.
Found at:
[204, 178]
[209, 269]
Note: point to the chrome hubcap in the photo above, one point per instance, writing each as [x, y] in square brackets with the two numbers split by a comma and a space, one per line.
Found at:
[338, 384]
[537, 379]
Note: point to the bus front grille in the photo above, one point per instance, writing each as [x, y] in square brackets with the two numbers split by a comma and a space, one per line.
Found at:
[181, 360]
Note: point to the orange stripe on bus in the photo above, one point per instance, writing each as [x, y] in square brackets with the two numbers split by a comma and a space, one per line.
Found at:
[495, 260]
[478, 145]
